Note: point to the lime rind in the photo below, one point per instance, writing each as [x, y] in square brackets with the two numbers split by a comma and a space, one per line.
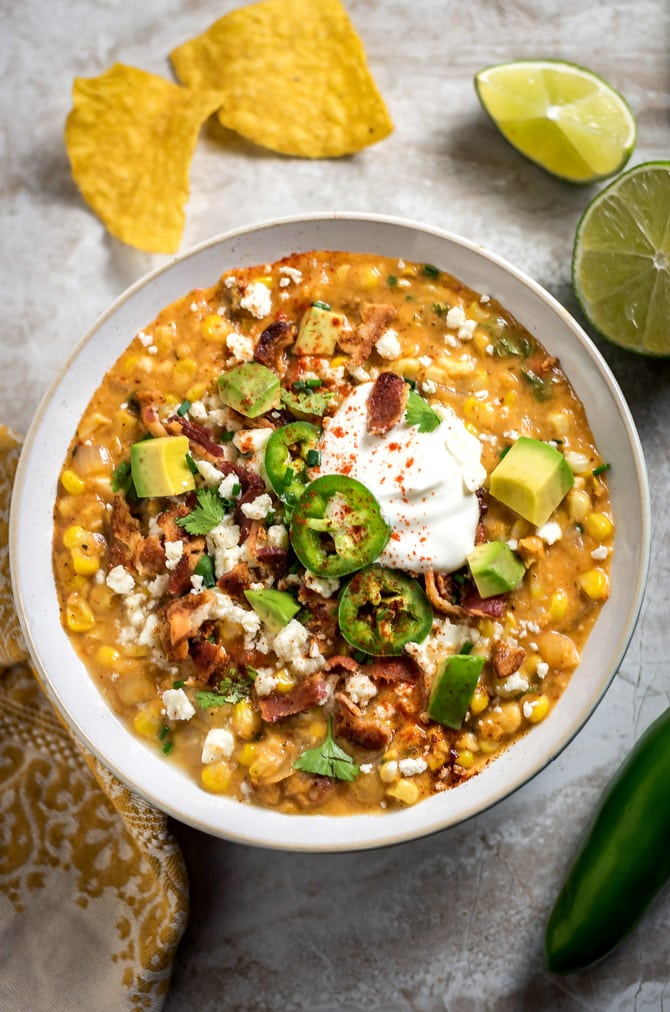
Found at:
[560, 116]
[621, 260]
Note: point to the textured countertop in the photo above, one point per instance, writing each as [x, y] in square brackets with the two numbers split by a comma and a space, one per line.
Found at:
[454, 921]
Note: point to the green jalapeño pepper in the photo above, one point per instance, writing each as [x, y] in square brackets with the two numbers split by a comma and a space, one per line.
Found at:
[623, 863]
[337, 526]
[287, 457]
[381, 610]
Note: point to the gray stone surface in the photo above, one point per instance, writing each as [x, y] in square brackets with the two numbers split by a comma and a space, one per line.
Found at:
[454, 921]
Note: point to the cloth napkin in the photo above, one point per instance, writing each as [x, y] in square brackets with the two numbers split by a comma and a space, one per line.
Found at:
[93, 889]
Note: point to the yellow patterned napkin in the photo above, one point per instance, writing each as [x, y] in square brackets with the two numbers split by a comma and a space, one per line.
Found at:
[93, 890]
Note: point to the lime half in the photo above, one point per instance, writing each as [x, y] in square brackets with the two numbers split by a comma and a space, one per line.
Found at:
[621, 260]
[564, 118]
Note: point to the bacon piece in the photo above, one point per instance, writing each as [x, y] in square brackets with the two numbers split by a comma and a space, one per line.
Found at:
[148, 401]
[272, 344]
[236, 580]
[180, 578]
[310, 692]
[386, 403]
[393, 669]
[183, 619]
[202, 437]
[483, 607]
[359, 342]
[347, 664]
[366, 732]
[207, 657]
[272, 557]
[149, 556]
[507, 659]
[439, 590]
[125, 537]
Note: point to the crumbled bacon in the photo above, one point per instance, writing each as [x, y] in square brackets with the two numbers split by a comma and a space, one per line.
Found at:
[236, 580]
[393, 669]
[507, 659]
[148, 401]
[310, 692]
[125, 536]
[184, 616]
[483, 607]
[386, 403]
[149, 557]
[273, 342]
[440, 593]
[207, 657]
[366, 732]
[202, 437]
[339, 661]
[359, 342]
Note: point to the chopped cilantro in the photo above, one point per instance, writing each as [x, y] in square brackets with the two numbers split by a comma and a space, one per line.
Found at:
[441, 308]
[191, 464]
[226, 437]
[420, 413]
[541, 388]
[328, 760]
[179, 684]
[467, 647]
[318, 304]
[430, 271]
[313, 458]
[270, 518]
[600, 469]
[520, 346]
[392, 280]
[164, 732]
[230, 691]
[205, 569]
[209, 512]
[183, 407]
[167, 747]
[308, 384]
[122, 480]
[505, 450]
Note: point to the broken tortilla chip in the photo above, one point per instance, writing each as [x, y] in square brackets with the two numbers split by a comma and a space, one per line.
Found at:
[130, 137]
[293, 77]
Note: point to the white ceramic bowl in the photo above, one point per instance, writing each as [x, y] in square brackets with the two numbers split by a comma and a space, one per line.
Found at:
[72, 690]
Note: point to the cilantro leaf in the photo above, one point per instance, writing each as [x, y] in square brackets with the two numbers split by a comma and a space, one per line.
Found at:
[209, 512]
[205, 569]
[542, 389]
[328, 760]
[230, 691]
[122, 480]
[419, 412]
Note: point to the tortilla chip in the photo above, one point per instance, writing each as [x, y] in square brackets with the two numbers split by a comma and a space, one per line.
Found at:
[130, 138]
[293, 75]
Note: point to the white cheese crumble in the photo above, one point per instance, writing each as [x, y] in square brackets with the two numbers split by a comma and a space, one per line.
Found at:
[411, 767]
[291, 642]
[258, 508]
[173, 553]
[159, 585]
[210, 474]
[120, 580]
[428, 387]
[257, 300]
[240, 346]
[291, 273]
[515, 683]
[455, 318]
[223, 607]
[360, 688]
[177, 705]
[223, 544]
[542, 669]
[550, 532]
[278, 536]
[323, 585]
[599, 553]
[265, 682]
[218, 744]
[226, 486]
[388, 345]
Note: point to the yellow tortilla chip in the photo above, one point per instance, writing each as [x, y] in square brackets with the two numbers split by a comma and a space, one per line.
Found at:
[293, 76]
[130, 138]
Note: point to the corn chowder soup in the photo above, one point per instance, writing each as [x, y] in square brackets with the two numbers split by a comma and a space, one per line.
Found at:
[332, 533]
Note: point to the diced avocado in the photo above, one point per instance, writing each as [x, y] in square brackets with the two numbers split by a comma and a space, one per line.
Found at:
[495, 568]
[275, 608]
[453, 689]
[319, 331]
[532, 479]
[159, 467]
[250, 388]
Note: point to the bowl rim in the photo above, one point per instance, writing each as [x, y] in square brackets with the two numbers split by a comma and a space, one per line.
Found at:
[278, 830]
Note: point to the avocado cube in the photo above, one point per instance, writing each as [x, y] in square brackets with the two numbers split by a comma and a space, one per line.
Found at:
[453, 688]
[275, 608]
[159, 467]
[319, 331]
[495, 568]
[250, 388]
[532, 479]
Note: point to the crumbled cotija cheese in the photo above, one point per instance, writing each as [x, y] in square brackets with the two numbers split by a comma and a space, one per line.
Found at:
[177, 705]
[257, 300]
[173, 553]
[218, 744]
[120, 580]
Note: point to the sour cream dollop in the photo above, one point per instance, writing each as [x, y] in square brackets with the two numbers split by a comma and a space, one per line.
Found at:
[425, 482]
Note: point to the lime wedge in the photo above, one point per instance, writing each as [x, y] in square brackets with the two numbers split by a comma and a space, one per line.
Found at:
[564, 118]
[621, 260]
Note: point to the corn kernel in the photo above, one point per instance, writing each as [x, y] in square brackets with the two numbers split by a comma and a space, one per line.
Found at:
[509, 399]
[214, 327]
[137, 650]
[472, 428]
[599, 526]
[470, 408]
[560, 424]
[71, 482]
[578, 463]
[486, 627]
[195, 392]
[285, 681]
[536, 708]
[84, 563]
[129, 363]
[479, 701]
[388, 771]
[148, 721]
[481, 341]
[404, 791]
[579, 504]
[338, 361]
[366, 277]
[558, 606]
[265, 280]
[246, 721]
[107, 656]
[185, 369]
[488, 746]
[465, 758]
[78, 615]
[215, 777]
[247, 754]
[74, 536]
[77, 583]
[595, 584]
